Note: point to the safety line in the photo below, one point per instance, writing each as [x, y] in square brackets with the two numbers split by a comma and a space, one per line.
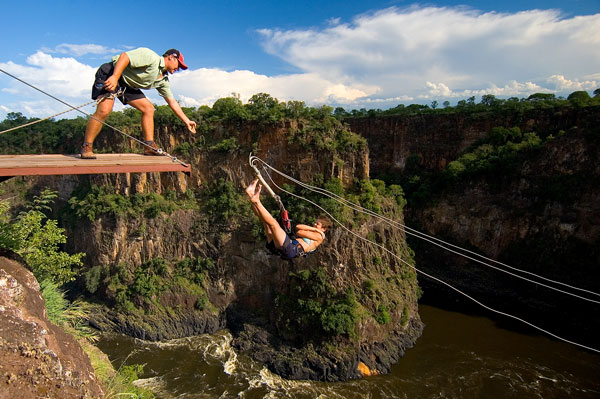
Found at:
[429, 239]
[435, 278]
[44, 119]
[159, 151]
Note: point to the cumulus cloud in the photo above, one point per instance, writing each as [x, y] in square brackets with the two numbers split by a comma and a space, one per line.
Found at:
[402, 51]
[60, 76]
[511, 89]
[204, 86]
[563, 84]
[378, 59]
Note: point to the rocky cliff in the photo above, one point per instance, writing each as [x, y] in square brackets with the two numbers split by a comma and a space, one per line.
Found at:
[194, 263]
[437, 139]
[37, 358]
[544, 218]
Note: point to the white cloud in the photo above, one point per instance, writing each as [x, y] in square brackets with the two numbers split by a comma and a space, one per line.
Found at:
[563, 84]
[61, 77]
[402, 51]
[204, 86]
[378, 59]
[78, 50]
[511, 89]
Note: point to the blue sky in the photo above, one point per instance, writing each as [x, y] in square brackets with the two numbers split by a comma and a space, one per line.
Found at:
[353, 54]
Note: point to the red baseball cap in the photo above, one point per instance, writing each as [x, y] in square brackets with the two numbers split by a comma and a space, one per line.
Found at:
[177, 54]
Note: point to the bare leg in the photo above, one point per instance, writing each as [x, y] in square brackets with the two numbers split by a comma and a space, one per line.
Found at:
[94, 126]
[277, 233]
[145, 106]
[268, 231]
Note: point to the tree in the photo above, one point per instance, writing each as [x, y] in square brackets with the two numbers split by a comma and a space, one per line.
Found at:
[295, 109]
[36, 238]
[230, 109]
[490, 100]
[265, 108]
[580, 98]
[340, 112]
[434, 104]
[597, 93]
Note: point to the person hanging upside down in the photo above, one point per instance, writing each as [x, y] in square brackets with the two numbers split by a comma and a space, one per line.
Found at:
[310, 237]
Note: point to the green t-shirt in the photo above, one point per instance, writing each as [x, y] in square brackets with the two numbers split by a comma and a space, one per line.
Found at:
[144, 71]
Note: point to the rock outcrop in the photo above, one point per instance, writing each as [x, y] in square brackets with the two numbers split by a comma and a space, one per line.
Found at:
[37, 358]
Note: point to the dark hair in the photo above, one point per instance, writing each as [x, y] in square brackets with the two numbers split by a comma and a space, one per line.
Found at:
[325, 222]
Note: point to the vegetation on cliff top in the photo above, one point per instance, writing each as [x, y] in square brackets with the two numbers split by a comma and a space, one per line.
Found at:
[488, 103]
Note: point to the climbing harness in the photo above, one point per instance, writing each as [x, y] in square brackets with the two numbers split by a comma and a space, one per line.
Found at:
[72, 108]
[358, 208]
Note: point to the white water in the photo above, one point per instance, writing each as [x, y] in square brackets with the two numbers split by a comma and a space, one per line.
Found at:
[458, 356]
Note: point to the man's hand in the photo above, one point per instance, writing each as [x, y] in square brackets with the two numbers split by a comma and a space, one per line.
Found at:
[191, 125]
[111, 83]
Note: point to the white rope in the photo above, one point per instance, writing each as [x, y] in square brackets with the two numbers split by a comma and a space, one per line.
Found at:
[431, 240]
[159, 151]
[254, 159]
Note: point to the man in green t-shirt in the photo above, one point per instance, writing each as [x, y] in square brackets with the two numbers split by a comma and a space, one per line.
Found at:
[132, 71]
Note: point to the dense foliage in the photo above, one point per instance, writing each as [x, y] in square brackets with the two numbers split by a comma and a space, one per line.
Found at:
[487, 103]
[37, 239]
[314, 308]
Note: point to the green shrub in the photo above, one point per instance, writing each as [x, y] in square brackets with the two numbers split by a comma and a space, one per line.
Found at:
[227, 145]
[404, 318]
[382, 316]
[92, 279]
[38, 239]
[224, 201]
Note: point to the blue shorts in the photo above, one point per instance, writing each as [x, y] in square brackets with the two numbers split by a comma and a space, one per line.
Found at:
[290, 249]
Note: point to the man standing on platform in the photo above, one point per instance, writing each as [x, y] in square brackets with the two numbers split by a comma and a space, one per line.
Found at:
[131, 71]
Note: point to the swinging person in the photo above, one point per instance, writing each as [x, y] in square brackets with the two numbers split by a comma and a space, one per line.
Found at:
[278, 241]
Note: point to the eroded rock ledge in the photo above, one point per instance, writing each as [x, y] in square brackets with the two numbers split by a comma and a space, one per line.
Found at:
[37, 358]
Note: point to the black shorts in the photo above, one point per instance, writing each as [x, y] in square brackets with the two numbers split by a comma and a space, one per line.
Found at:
[102, 74]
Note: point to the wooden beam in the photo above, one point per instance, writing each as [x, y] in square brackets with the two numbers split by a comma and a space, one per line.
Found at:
[58, 164]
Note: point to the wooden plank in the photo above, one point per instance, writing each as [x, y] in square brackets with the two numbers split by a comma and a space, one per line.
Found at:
[59, 164]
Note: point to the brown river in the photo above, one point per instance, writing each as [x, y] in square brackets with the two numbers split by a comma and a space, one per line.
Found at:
[458, 356]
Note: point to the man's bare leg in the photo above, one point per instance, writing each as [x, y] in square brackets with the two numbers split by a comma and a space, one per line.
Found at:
[147, 109]
[94, 125]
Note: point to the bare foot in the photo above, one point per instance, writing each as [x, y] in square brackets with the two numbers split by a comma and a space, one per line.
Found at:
[253, 191]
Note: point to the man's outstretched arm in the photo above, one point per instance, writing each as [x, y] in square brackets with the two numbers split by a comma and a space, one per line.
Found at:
[191, 125]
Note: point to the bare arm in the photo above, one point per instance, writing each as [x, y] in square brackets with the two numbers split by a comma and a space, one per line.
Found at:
[191, 125]
[317, 236]
[306, 227]
[111, 83]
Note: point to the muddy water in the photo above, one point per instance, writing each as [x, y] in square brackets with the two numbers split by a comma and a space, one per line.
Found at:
[458, 356]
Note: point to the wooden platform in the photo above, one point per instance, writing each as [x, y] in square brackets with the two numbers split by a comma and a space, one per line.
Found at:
[58, 164]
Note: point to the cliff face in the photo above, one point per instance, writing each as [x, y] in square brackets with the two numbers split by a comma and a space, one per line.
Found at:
[545, 219]
[37, 358]
[248, 290]
[438, 139]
